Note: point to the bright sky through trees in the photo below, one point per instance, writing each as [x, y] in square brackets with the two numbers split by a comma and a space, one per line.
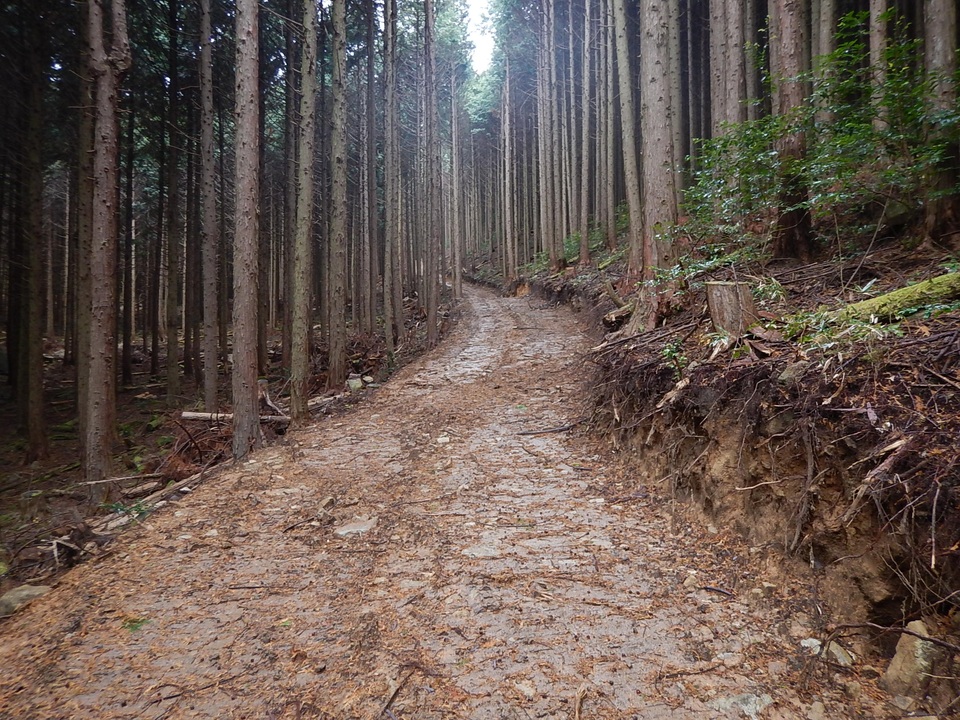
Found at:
[480, 35]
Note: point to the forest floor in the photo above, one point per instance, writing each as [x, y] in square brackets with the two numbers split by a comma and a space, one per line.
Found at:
[454, 546]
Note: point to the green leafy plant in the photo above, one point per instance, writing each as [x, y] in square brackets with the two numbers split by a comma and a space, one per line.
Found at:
[673, 353]
[133, 624]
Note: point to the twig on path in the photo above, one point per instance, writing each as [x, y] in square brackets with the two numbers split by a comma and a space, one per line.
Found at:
[711, 588]
[424, 500]
[393, 696]
[581, 694]
[173, 696]
[548, 431]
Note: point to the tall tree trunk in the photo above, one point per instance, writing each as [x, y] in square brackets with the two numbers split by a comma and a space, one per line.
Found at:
[940, 56]
[174, 238]
[432, 167]
[628, 126]
[30, 392]
[336, 290]
[878, 52]
[303, 240]
[107, 67]
[391, 179]
[656, 129]
[585, 106]
[509, 230]
[792, 234]
[369, 240]
[210, 232]
[126, 362]
[246, 416]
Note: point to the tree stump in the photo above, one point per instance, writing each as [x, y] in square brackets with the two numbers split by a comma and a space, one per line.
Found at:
[731, 307]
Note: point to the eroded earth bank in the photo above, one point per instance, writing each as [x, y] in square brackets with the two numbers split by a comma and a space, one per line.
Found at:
[433, 553]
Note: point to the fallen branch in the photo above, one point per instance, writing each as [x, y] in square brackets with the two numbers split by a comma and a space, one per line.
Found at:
[549, 431]
[228, 417]
[887, 307]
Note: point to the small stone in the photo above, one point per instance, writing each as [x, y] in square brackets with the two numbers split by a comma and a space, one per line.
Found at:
[869, 672]
[527, 688]
[367, 379]
[358, 527]
[776, 667]
[481, 551]
[211, 533]
[912, 665]
[811, 644]
[840, 655]
[20, 596]
[817, 711]
[354, 384]
[443, 439]
[712, 529]
[746, 704]
[793, 372]
[902, 702]
[853, 689]
[691, 582]
[768, 589]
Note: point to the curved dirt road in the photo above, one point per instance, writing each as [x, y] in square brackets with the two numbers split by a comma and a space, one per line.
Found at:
[464, 570]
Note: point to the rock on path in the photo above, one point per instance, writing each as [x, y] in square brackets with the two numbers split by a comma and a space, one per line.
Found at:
[462, 571]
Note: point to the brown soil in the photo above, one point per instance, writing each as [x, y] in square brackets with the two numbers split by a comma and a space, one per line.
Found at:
[511, 570]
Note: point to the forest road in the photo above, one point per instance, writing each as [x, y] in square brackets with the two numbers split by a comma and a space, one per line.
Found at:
[462, 570]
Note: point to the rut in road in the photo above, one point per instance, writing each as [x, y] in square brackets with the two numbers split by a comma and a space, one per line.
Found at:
[464, 570]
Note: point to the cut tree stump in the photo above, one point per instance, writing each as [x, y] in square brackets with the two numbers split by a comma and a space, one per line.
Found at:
[731, 307]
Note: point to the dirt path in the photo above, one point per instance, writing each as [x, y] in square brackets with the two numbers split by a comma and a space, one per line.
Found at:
[495, 582]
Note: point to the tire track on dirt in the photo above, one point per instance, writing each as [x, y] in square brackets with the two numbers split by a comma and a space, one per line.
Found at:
[493, 580]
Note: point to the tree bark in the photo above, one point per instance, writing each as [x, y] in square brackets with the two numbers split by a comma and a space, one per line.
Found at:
[792, 235]
[174, 237]
[337, 369]
[107, 67]
[303, 239]
[210, 231]
[635, 259]
[30, 392]
[246, 419]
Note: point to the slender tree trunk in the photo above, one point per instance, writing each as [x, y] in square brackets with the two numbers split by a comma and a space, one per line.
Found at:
[432, 166]
[337, 370]
[246, 416]
[391, 178]
[792, 234]
[509, 231]
[636, 259]
[940, 56]
[210, 232]
[456, 190]
[107, 67]
[126, 363]
[585, 144]
[174, 238]
[878, 52]
[303, 241]
[30, 392]
[368, 273]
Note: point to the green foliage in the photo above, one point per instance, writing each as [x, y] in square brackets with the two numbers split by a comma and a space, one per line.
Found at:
[133, 624]
[672, 352]
[869, 150]
[137, 510]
